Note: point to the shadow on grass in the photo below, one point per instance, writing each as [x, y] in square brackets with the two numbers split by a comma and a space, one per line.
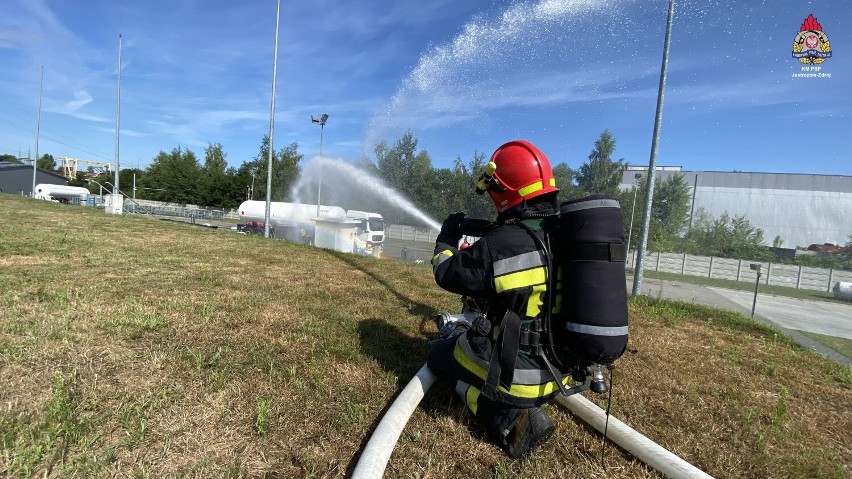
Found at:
[403, 356]
[417, 308]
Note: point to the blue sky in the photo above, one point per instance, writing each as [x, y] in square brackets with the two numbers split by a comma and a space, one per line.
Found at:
[463, 76]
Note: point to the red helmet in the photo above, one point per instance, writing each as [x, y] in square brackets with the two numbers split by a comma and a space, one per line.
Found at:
[518, 171]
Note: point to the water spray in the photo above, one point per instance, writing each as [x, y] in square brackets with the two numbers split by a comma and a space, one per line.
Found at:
[352, 176]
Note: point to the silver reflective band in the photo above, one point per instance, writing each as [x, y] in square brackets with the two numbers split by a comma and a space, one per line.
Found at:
[585, 205]
[520, 262]
[597, 330]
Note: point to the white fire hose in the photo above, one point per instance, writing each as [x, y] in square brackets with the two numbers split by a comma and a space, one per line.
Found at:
[375, 457]
[377, 452]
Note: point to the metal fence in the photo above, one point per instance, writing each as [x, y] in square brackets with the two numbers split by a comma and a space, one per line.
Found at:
[179, 211]
[792, 276]
[411, 233]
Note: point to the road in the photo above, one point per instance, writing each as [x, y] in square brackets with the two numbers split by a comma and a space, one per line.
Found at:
[790, 315]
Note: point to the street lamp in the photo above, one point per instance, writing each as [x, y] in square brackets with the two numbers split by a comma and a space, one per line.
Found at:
[321, 122]
[636, 178]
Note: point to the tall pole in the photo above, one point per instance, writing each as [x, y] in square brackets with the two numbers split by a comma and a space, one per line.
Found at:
[632, 210]
[271, 129]
[117, 116]
[639, 269]
[319, 180]
[756, 287]
[38, 127]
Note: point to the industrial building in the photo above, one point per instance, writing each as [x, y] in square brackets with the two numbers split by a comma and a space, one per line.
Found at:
[802, 209]
[17, 178]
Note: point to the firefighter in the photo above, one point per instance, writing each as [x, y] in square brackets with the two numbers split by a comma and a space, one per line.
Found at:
[488, 360]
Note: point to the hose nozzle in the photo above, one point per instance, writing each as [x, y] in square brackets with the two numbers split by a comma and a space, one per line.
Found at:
[486, 178]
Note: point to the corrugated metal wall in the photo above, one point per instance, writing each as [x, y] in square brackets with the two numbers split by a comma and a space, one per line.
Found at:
[802, 209]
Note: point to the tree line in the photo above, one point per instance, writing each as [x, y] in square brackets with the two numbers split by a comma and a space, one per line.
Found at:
[179, 176]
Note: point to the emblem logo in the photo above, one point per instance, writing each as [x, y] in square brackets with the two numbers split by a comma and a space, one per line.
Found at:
[811, 44]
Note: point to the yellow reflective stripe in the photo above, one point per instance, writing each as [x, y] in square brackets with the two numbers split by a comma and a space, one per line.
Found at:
[472, 397]
[516, 390]
[447, 253]
[534, 304]
[521, 279]
[553, 182]
[530, 189]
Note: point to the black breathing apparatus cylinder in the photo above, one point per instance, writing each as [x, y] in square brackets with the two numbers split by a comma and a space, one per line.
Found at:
[584, 320]
[588, 317]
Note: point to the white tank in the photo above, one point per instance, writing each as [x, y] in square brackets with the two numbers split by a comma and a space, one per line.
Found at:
[60, 192]
[842, 290]
[288, 214]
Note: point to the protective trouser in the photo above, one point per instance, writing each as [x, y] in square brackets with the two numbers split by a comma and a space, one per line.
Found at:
[497, 418]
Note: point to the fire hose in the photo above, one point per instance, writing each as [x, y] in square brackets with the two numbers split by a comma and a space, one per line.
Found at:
[377, 452]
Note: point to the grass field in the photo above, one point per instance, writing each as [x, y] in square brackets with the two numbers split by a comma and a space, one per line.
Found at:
[132, 347]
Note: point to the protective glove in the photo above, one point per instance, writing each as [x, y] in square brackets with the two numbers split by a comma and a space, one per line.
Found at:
[451, 230]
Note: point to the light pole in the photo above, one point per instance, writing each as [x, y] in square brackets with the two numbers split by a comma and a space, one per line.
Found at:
[271, 127]
[117, 121]
[632, 210]
[321, 122]
[38, 127]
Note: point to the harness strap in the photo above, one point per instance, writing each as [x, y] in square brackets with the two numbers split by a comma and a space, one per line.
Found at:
[501, 368]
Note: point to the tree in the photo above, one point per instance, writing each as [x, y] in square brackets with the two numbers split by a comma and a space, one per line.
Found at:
[565, 176]
[9, 158]
[458, 190]
[173, 177]
[215, 184]
[602, 175]
[46, 162]
[727, 237]
[285, 170]
[126, 181]
[669, 212]
[406, 170]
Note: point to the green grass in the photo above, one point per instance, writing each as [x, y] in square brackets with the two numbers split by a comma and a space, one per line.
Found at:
[841, 345]
[133, 347]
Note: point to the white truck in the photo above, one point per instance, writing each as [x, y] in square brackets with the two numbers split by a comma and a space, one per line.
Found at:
[334, 227]
[61, 193]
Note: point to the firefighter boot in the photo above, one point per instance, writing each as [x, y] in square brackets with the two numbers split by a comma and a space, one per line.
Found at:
[532, 429]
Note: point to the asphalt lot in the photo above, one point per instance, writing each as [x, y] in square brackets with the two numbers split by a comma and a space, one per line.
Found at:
[789, 315]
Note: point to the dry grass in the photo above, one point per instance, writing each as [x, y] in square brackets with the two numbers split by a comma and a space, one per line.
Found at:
[137, 348]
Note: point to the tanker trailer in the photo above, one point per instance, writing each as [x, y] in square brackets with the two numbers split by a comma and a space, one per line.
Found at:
[61, 193]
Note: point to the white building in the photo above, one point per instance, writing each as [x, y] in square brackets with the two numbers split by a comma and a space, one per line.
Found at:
[801, 209]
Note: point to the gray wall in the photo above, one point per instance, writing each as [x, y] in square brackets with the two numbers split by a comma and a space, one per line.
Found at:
[15, 179]
[802, 209]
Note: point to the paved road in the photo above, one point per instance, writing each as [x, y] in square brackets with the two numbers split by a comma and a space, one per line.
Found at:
[790, 315]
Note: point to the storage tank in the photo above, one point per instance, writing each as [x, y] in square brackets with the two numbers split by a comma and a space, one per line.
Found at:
[62, 193]
[843, 290]
[291, 221]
